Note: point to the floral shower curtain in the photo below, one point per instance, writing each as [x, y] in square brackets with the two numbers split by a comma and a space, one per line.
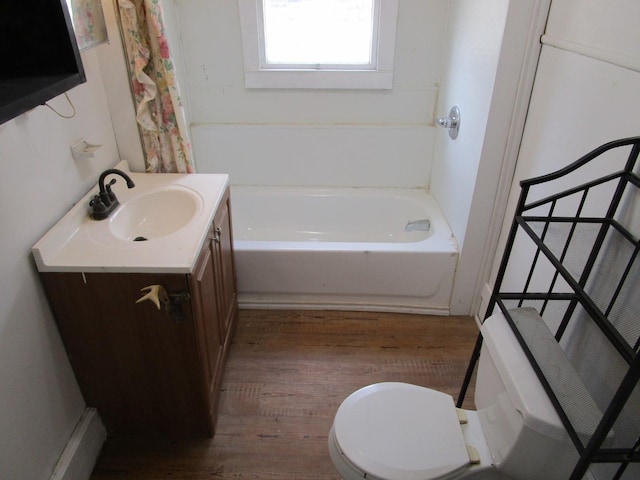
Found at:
[159, 111]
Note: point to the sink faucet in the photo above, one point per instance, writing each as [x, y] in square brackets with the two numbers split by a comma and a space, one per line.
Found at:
[105, 202]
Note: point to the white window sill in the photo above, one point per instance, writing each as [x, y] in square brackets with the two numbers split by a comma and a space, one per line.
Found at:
[314, 79]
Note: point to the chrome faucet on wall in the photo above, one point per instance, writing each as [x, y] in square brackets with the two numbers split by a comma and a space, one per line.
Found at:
[452, 122]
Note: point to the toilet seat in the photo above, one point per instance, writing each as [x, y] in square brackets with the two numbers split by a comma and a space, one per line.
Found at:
[397, 431]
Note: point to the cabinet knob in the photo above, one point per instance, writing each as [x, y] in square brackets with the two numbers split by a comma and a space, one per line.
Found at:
[217, 233]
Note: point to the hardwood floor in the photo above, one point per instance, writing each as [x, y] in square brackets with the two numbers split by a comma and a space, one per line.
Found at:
[286, 375]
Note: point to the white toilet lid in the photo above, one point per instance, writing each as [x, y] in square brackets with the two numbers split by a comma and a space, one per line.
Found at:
[401, 432]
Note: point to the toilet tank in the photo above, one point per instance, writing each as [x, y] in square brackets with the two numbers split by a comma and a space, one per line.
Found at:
[523, 431]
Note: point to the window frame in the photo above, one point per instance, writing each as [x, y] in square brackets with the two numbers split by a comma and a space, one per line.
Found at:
[377, 75]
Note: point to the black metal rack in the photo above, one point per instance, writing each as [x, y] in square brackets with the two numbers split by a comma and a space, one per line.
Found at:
[583, 286]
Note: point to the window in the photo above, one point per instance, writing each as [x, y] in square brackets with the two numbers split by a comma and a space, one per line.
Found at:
[342, 44]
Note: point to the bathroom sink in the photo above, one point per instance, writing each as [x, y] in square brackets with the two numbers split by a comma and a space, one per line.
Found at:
[173, 211]
[154, 214]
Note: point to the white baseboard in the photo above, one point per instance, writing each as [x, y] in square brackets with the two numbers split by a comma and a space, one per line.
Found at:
[82, 450]
[280, 302]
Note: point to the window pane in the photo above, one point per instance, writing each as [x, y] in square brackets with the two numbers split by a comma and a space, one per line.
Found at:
[318, 31]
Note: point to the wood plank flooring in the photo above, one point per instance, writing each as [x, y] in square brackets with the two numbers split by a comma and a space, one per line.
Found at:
[286, 375]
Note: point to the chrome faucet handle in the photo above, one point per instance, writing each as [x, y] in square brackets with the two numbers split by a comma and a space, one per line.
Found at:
[445, 122]
[452, 122]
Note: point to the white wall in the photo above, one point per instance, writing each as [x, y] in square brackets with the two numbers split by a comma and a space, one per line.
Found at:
[40, 402]
[347, 138]
[580, 100]
[474, 41]
[492, 50]
[317, 155]
[605, 28]
[116, 85]
[222, 109]
[172, 29]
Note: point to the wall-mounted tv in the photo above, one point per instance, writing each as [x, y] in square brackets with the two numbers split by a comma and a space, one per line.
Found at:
[40, 56]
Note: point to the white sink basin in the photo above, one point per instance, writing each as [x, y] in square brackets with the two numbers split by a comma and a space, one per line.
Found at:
[174, 212]
[154, 215]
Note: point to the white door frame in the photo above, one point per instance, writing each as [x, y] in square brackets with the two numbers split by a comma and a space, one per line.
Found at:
[518, 60]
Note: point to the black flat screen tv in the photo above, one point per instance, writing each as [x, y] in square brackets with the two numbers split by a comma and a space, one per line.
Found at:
[40, 57]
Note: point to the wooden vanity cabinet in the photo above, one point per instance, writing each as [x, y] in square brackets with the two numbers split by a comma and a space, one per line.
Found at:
[147, 371]
[215, 299]
[227, 292]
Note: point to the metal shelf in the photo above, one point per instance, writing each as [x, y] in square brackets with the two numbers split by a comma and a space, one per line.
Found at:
[576, 311]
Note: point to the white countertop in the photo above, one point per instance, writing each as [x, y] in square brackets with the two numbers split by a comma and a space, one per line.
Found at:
[78, 243]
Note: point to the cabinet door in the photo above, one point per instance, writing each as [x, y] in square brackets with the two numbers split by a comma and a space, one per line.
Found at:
[136, 364]
[206, 313]
[225, 271]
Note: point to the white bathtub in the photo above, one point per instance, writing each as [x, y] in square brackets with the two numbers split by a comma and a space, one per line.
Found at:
[341, 248]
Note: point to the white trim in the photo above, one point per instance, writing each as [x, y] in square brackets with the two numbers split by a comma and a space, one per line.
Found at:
[531, 57]
[276, 302]
[81, 452]
[379, 75]
[485, 298]
[595, 53]
[386, 48]
[466, 296]
[332, 79]
[248, 12]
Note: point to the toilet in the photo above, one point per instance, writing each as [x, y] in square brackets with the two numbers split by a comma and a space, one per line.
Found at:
[398, 431]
